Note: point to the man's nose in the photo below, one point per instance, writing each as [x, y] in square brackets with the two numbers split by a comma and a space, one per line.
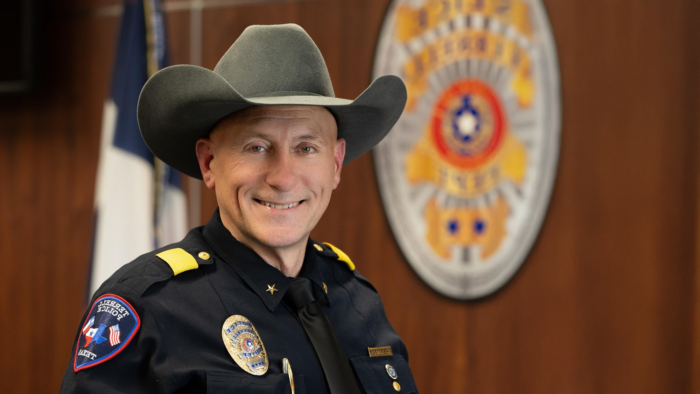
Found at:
[282, 174]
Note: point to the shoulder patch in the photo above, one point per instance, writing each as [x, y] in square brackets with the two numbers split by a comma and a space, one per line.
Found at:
[109, 327]
[341, 256]
[179, 260]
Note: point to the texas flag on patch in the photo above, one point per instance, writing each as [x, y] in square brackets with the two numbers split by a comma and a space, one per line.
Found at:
[88, 325]
[95, 334]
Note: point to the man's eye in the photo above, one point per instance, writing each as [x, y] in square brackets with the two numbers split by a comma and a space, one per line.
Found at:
[308, 149]
[257, 148]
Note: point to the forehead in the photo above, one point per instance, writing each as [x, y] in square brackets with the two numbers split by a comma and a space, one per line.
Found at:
[268, 118]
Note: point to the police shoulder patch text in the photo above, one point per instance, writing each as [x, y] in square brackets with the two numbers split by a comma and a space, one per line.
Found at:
[467, 173]
[111, 324]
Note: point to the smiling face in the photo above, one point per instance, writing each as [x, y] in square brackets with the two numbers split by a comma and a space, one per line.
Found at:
[273, 169]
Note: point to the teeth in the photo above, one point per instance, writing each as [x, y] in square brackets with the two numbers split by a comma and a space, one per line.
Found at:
[283, 206]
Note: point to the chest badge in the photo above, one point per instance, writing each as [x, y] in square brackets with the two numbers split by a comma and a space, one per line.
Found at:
[244, 344]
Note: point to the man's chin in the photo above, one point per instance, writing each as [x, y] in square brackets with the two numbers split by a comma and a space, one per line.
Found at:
[282, 239]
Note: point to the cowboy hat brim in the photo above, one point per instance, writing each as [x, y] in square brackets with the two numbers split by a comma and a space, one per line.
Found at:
[181, 104]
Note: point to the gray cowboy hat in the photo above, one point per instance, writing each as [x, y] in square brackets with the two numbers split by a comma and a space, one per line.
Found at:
[266, 65]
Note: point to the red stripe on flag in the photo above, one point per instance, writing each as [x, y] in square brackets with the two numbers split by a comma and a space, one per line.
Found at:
[113, 336]
[87, 327]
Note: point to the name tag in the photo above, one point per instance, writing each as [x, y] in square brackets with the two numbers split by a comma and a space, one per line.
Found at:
[380, 351]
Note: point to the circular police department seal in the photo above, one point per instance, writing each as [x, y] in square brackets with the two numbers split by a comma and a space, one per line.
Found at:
[467, 173]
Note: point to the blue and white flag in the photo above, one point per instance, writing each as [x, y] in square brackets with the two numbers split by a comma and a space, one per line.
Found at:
[139, 202]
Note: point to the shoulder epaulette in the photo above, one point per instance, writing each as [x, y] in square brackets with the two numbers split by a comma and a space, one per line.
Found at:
[328, 250]
[180, 261]
[149, 269]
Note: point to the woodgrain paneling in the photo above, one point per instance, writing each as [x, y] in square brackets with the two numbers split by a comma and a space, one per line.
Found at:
[49, 142]
[178, 36]
[49, 148]
[605, 303]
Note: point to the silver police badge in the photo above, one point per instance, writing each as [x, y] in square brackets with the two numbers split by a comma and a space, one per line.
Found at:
[244, 345]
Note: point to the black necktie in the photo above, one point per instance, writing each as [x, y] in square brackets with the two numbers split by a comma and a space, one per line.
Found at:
[336, 367]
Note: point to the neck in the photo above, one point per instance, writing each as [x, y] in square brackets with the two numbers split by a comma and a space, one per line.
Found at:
[288, 259]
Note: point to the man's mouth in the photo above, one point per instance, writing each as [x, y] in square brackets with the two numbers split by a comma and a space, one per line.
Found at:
[278, 206]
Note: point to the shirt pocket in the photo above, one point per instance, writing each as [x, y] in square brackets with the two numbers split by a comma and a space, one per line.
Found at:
[226, 382]
[374, 374]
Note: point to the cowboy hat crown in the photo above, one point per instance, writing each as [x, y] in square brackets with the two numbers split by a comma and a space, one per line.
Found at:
[289, 63]
[266, 65]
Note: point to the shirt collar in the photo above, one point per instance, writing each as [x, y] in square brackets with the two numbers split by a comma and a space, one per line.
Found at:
[254, 271]
[312, 270]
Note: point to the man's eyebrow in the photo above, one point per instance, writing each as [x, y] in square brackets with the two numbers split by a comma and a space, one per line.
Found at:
[253, 133]
[310, 137]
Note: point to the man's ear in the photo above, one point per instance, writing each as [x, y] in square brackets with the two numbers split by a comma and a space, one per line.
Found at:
[338, 157]
[205, 154]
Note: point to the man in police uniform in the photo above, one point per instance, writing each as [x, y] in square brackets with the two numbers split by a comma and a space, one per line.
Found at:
[245, 300]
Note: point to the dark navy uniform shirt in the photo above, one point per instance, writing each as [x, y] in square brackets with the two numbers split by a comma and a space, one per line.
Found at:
[178, 345]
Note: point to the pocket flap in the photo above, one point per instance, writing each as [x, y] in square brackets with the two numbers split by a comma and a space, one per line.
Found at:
[220, 382]
[375, 375]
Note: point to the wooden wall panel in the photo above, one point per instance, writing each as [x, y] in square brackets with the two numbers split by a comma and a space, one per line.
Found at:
[606, 301]
[178, 36]
[626, 183]
[48, 144]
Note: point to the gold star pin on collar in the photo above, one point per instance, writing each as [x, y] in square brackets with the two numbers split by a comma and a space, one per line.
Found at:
[271, 289]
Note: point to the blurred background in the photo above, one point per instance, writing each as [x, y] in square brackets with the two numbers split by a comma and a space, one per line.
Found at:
[607, 300]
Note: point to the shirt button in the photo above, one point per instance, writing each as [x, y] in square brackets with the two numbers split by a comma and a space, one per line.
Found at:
[203, 255]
